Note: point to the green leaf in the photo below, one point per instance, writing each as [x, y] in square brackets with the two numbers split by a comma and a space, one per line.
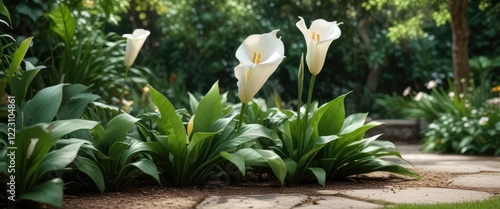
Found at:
[148, 167]
[26, 167]
[63, 23]
[59, 159]
[353, 122]
[60, 128]
[193, 103]
[258, 157]
[4, 11]
[237, 159]
[44, 106]
[18, 57]
[320, 175]
[76, 106]
[330, 117]
[117, 130]
[196, 144]
[49, 192]
[19, 87]
[209, 110]
[171, 123]
[91, 168]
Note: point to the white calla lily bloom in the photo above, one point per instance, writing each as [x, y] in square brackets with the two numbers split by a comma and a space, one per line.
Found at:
[259, 56]
[318, 38]
[134, 45]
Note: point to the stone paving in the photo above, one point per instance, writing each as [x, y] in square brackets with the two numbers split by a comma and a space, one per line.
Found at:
[472, 172]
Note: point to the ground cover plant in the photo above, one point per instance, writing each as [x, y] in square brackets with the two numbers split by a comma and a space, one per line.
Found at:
[490, 203]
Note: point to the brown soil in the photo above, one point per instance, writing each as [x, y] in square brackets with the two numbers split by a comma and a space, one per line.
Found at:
[170, 197]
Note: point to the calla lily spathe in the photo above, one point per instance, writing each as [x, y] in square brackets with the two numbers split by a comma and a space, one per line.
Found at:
[259, 56]
[318, 38]
[134, 45]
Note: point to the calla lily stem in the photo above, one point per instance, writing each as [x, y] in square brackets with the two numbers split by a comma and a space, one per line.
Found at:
[120, 102]
[242, 115]
[309, 97]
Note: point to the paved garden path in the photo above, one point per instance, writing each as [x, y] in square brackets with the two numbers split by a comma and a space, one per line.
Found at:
[475, 178]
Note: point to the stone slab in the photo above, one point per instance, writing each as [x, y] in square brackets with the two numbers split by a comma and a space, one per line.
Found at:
[413, 195]
[478, 180]
[332, 202]
[265, 201]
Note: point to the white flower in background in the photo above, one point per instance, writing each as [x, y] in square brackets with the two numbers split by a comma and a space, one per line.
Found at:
[483, 120]
[31, 148]
[259, 56]
[431, 84]
[407, 91]
[466, 125]
[134, 45]
[473, 111]
[318, 38]
[451, 94]
[419, 96]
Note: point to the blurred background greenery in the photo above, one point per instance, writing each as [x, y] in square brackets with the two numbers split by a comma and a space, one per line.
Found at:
[385, 47]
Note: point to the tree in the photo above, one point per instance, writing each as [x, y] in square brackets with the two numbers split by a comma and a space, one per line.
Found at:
[416, 13]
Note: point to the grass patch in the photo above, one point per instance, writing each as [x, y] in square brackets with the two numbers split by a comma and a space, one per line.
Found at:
[490, 203]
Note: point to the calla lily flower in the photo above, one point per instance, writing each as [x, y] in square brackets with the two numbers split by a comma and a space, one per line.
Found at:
[259, 56]
[318, 38]
[134, 45]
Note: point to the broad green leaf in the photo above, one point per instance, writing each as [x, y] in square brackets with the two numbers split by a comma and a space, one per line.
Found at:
[27, 166]
[171, 123]
[60, 128]
[49, 192]
[116, 150]
[76, 106]
[18, 57]
[193, 103]
[209, 110]
[353, 122]
[19, 87]
[320, 143]
[63, 23]
[320, 175]
[44, 106]
[147, 167]
[258, 157]
[237, 159]
[117, 129]
[247, 132]
[291, 166]
[330, 117]
[91, 168]
[58, 159]
[196, 146]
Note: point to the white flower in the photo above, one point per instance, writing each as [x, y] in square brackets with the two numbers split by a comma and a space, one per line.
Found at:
[134, 45]
[31, 148]
[431, 84]
[318, 38]
[259, 56]
[407, 91]
[451, 94]
[483, 120]
[419, 96]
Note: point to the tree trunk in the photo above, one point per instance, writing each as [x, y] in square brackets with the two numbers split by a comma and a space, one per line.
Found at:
[376, 70]
[460, 48]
